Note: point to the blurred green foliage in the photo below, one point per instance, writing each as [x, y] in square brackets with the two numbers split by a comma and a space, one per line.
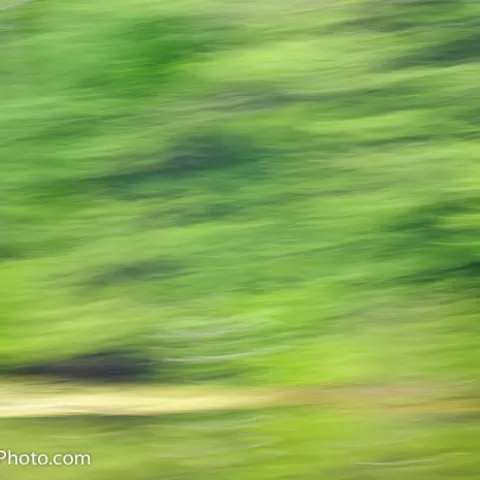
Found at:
[169, 168]
[299, 443]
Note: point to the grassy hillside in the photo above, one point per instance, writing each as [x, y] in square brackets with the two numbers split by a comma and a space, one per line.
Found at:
[291, 184]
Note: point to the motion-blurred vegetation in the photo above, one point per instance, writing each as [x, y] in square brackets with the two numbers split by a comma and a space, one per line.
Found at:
[256, 193]
[261, 192]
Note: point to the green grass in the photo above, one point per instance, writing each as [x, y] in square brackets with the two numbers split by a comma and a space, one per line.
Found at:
[290, 185]
[301, 443]
[308, 173]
